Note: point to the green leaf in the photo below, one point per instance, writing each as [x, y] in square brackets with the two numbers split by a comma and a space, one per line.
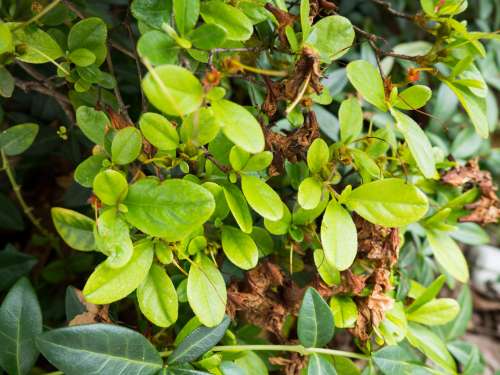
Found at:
[231, 19]
[344, 310]
[20, 323]
[200, 127]
[259, 161]
[207, 36]
[99, 348]
[74, 228]
[173, 90]
[305, 23]
[475, 107]
[239, 247]
[303, 217]
[365, 163]
[198, 342]
[339, 236]
[429, 293]
[394, 327]
[159, 131]
[389, 202]
[88, 169]
[6, 42]
[186, 14]
[414, 97]
[329, 274]
[239, 207]
[310, 191]
[436, 312]
[350, 119]
[239, 126]
[317, 155]
[152, 12]
[396, 360]
[366, 79]
[170, 209]
[7, 82]
[158, 47]
[157, 297]
[18, 138]
[112, 238]
[280, 226]
[206, 292]
[13, 265]
[82, 57]
[432, 346]
[126, 145]
[419, 144]
[458, 326]
[251, 363]
[319, 364]
[38, 46]
[315, 323]
[92, 123]
[90, 34]
[107, 285]
[110, 187]
[332, 37]
[238, 158]
[448, 255]
[262, 198]
[221, 207]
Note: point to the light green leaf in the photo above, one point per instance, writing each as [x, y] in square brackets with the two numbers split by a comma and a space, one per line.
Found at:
[173, 90]
[365, 163]
[18, 138]
[231, 19]
[280, 226]
[413, 97]
[238, 158]
[390, 202]
[7, 82]
[100, 349]
[419, 144]
[329, 274]
[170, 209]
[239, 207]
[339, 236]
[320, 365]
[152, 12]
[310, 191]
[92, 123]
[159, 131]
[186, 14]
[344, 310]
[126, 145]
[207, 36]
[200, 127]
[82, 57]
[206, 292]
[435, 312]
[315, 323]
[259, 161]
[90, 34]
[38, 46]
[302, 216]
[366, 79]
[239, 126]
[221, 207]
[428, 294]
[305, 23]
[157, 297]
[107, 285]
[396, 360]
[158, 47]
[262, 198]
[110, 187]
[350, 119]
[6, 42]
[332, 37]
[394, 326]
[20, 324]
[239, 247]
[74, 228]
[251, 363]
[88, 169]
[448, 255]
[317, 155]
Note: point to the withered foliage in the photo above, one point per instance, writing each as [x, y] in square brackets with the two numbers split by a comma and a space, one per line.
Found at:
[291, 365]
[284, 19]
[93, 314]
[306, 69]
[487, 208]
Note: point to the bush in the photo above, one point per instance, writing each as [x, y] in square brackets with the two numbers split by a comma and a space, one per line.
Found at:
[259, 187]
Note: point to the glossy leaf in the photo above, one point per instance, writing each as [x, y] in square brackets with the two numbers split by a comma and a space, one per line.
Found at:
[317, 155]
[262, 198]
[413, 97]
[310, 191]
[88, 169]
[350, 119]
[152, 12]
[315, 323]
[448, 255]
[429, 293]
[159, 131]
[344, 310]
[236, 25]
[90, 34]
[330, 275]
[92, 123]
[74, 228]
[396, 360]
[332, 37]
[239, 247]
[158, 47]
[366, 79]
[186, 14]
[239, 207]
[18, 138]
[126, 146]
[110, 187]
[38, 46]
[435, 312]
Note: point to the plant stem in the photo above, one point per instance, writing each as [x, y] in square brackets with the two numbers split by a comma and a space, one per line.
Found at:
[289, 348]
[17, 191]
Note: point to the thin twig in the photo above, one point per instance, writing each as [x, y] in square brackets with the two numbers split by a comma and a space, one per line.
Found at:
[144, 102]
[223, 168]
[393, 11]
[122, 108]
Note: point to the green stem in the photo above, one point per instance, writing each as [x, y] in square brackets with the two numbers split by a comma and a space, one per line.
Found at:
[17, 191]
[44, 11]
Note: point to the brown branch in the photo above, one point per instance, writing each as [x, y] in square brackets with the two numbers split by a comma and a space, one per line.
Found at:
[393, 11]
[223, 168]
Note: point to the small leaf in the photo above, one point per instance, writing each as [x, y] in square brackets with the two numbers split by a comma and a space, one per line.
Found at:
[159, 131]
[310, 191]
[173, 90]
[198, 342]
[207, 36]
[74, 228]
[152, 12]
[239, 247]
[280, 226]
[339, 236]
[126, 145]
[329, 274]
[345, 311]
[92, 123]
[428, 294]
[315, 323]
[238, 158]
[206, 292]
[88, 169]
[320, 365]
[110, 187]
[436, 312]
[414, 97]
[332, 37]
[366, 79]
[231, 19]
[20, 323]
[239, 207]
[186, 14]
[99, 349]
[259, 161]
[158, 47]
[157, 297]
[239, 126]
[200, 127]
[448, 255]
[39, 46]
[350, 119]
[91, 34]
[18, 138]
[317, 155]
[389, 202]
[7, 82]
[107, 285]
[82, 57]
[262, 198]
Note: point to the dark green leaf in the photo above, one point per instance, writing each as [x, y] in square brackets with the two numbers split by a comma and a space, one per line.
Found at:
[320, 365]
[315, 323]
[17, 139]
[90, 34]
